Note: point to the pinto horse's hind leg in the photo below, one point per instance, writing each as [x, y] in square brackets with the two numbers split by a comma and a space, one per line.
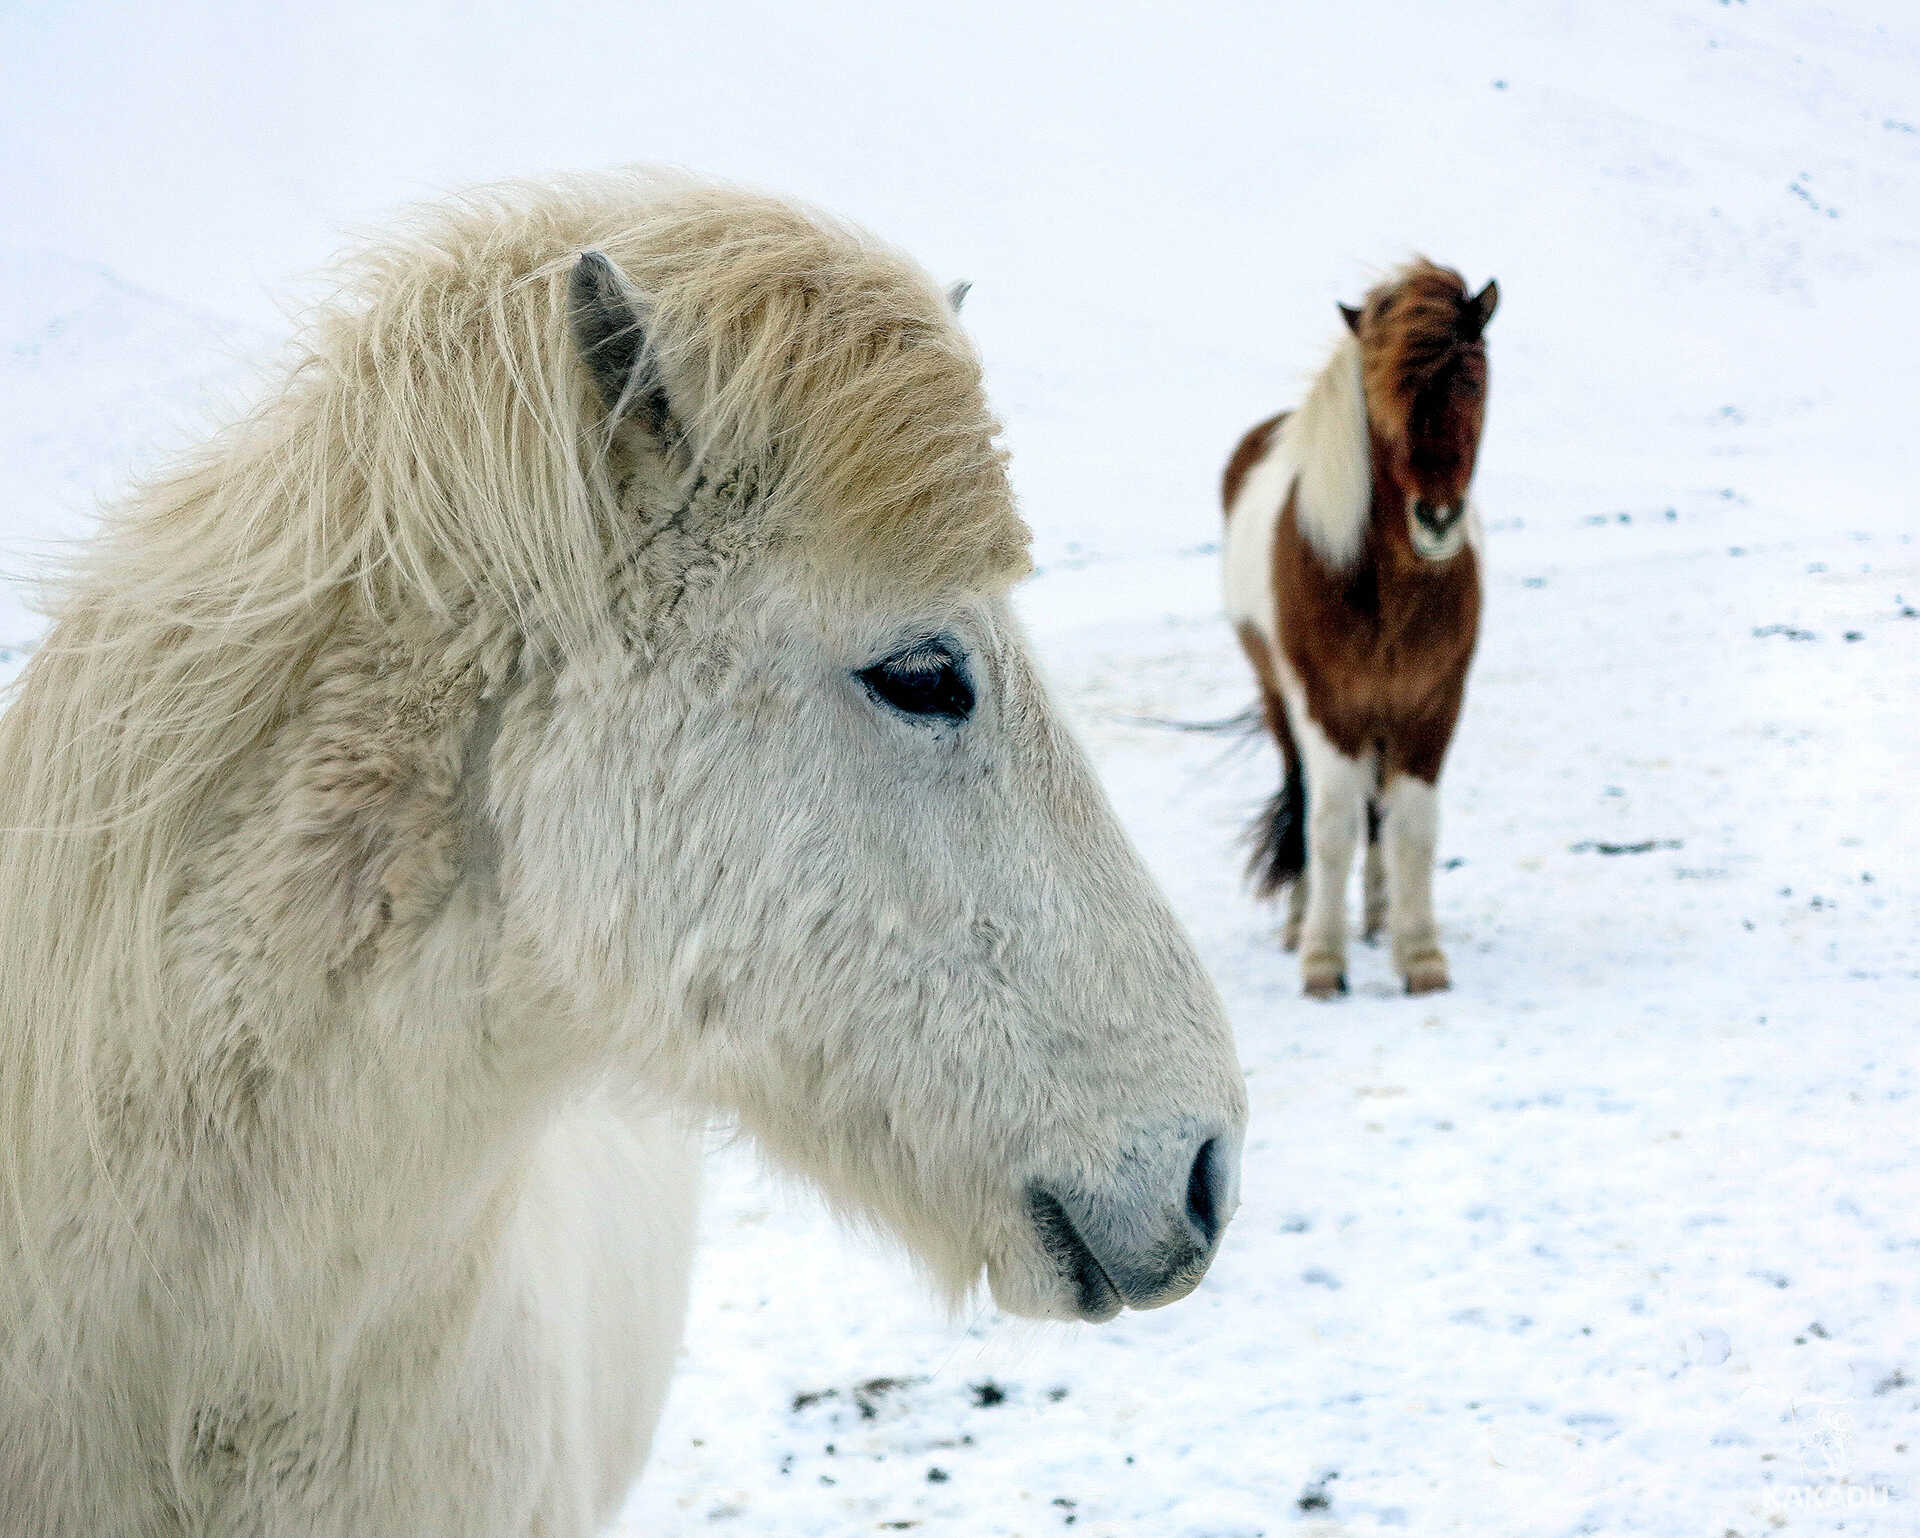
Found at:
[1296, 913]
[1412, 828]
[1373, 877]
[1336, 797]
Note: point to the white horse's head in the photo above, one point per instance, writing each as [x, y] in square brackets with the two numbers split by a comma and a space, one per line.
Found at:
[812, 834]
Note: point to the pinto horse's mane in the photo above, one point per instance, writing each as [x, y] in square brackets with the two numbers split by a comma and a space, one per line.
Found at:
[1325, 438]
[430, 460]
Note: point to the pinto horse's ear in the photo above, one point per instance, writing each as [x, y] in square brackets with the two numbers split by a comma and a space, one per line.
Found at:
[957, 295]
[607, 329]
[1352, 317]
[1480, 308]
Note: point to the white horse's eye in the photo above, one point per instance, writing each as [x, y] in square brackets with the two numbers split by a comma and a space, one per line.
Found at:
[926, 679]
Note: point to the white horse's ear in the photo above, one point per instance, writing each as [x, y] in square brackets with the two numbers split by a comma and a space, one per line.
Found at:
[1481, 306]
[607, 328]
[1352, 317]
[606, 325]
[957, 295]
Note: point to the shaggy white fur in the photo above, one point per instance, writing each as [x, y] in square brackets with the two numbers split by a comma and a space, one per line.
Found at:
[442, 794]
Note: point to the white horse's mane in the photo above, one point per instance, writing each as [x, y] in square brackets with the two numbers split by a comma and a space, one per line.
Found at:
[427, 459]
[1325, 439]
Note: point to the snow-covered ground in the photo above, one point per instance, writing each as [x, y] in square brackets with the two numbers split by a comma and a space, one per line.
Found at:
[1623, 1234]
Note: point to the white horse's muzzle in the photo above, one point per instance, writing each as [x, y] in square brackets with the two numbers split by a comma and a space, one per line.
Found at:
[1146, 1239]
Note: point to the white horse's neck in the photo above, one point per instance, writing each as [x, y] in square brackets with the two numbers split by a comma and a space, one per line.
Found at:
[1326, 439]
[374, 1183]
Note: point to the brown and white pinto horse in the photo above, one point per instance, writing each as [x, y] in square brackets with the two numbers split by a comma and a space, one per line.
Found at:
[1353, 583]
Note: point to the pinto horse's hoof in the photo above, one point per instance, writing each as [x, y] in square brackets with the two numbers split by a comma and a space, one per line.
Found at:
[1290, 935]
[1427, 973]
[1322, 975]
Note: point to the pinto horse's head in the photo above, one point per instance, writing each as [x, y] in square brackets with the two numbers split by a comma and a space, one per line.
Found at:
[813, 834]
[1424, 361]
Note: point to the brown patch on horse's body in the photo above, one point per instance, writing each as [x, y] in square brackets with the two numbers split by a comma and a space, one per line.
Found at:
[1381, 649]
[1271, 705]
[1248, 453]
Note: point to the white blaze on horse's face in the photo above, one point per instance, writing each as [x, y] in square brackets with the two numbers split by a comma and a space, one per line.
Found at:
[908, 945]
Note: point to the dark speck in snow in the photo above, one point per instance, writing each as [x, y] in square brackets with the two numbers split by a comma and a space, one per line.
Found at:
[1315, 1497]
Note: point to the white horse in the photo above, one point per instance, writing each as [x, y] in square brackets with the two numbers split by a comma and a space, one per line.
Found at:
[582, 700]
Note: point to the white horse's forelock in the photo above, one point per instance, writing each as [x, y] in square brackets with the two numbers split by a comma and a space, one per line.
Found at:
[1325, 440]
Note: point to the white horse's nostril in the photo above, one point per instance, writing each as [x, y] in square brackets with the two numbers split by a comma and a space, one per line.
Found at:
[1207, 1192]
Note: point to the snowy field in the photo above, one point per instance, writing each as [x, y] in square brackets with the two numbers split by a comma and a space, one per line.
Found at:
[1622, 1235]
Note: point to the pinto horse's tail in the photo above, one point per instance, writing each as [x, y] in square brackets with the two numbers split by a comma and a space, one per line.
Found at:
[1279, 834]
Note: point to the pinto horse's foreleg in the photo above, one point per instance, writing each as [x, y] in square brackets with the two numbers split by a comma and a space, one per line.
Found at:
[1412, 829]
[1336, 799]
